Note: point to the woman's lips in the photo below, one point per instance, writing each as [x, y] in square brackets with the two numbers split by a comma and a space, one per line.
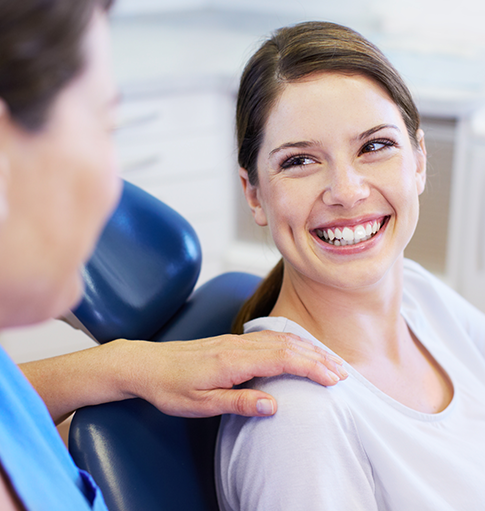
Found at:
[351, 235]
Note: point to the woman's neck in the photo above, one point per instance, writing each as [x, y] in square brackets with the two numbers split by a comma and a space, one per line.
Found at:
[358, 324]
[365, 327]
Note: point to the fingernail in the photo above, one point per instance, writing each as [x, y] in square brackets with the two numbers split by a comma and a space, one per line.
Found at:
[343, 372]
[334, 377]
[336, 359]
[265, 407]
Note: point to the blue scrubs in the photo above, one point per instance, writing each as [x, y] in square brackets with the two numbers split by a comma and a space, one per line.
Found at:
[32, 453]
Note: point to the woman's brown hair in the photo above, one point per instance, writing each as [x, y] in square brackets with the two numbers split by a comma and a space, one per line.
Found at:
[289, 55]
[40, 52]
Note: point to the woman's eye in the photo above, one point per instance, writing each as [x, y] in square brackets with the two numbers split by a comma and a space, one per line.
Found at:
[297, 161]
[377, 145]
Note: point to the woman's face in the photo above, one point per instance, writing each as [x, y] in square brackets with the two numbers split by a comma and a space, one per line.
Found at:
[59, 185]
[339, 180]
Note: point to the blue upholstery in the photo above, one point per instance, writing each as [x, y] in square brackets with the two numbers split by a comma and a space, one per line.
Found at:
[141, 458]
[145, 460]
[145, 265]
[212, 309]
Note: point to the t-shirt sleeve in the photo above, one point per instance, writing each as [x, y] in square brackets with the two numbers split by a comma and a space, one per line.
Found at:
[306, 457]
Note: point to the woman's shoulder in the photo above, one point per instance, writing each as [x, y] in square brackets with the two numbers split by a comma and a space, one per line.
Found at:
[302, 401]
[413, 271]
[305, 409]
[430, 305]
[419, 280]
[284, 325]
[432, 294]
[303, 405]
[284, 458]
[297, 395]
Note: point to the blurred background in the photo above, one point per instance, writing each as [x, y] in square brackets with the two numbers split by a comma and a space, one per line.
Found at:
[178, 62]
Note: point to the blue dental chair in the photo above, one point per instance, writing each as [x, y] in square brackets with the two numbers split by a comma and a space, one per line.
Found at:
[139, 285]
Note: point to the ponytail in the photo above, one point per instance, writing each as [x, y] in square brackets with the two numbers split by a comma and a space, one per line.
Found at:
[263, 300]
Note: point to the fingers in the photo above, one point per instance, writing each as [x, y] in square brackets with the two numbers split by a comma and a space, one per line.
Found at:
[321, 370]
[287, 353]
[247, 402]
[196, 378]
[317, 364]
[293, 343]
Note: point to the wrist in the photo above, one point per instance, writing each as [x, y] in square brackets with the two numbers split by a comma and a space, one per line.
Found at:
[127, 362]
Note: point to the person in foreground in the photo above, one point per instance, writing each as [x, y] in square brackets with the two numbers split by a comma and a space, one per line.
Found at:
[58, 185]
[333, 160]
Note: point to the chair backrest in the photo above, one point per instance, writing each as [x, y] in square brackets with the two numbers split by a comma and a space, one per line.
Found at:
[141, 458]
[144, 267]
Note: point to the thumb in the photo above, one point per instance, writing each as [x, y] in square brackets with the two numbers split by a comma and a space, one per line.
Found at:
[247, 402]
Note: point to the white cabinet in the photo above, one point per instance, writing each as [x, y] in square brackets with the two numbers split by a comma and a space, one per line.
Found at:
[467, 223]
[178, 146]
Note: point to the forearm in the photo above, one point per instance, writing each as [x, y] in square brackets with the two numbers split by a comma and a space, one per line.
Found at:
[68, 382]
[185, 378]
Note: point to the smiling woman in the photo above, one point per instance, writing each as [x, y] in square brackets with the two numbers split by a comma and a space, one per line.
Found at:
[358, 169]
[333, 161]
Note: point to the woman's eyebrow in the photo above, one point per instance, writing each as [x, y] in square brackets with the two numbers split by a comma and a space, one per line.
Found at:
[310, 143]
[370, 132]
[301, 144]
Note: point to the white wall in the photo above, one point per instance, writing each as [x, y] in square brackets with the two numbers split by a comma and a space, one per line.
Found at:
[136, 7]
[428, 25]
[435, 25]
[331, 10]
[343, 11]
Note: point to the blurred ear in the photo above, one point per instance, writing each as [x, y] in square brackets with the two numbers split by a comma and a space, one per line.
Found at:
[421, 160]
[251, 192]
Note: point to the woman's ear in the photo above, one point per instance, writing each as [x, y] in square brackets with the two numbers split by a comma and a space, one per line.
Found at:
[251, 192]
[421, 160]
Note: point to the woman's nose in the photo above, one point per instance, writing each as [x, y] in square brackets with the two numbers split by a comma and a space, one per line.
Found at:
[345, 188]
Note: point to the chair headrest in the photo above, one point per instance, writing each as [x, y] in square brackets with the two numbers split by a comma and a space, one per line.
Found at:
[144, 267]
[211, 309]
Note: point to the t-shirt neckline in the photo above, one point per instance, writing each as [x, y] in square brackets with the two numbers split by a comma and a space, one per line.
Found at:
[283, 324]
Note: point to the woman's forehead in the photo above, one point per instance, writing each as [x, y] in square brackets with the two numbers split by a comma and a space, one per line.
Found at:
[330, 101]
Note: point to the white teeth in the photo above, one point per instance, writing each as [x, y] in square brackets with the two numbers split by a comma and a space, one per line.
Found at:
[359, 233]
[347, 236]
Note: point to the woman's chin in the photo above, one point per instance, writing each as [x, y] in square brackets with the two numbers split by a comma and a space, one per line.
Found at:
[354, 275]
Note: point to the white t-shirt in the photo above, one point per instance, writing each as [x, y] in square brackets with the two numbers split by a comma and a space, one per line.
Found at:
[352, 447]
